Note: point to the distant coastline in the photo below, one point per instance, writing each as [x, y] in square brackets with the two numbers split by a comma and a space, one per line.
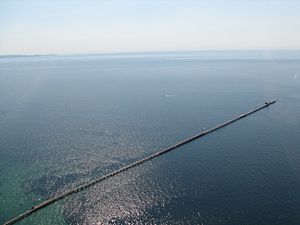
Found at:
[25, 55]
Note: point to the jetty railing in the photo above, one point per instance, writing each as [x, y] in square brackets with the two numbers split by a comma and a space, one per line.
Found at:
[134, 164]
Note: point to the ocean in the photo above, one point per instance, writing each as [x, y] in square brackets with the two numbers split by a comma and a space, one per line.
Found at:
[68, 119]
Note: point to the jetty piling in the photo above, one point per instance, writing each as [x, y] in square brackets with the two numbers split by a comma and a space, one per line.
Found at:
[134, 164]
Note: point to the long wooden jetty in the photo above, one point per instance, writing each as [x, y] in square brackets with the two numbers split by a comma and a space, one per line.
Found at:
[136, 163]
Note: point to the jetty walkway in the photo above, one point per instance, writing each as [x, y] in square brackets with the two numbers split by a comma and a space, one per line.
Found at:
[161, 152]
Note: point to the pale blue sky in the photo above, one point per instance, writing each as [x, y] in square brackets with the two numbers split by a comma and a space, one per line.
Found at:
[90, 26]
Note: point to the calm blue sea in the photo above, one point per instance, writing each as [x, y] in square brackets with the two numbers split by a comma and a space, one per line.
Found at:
[65, 120]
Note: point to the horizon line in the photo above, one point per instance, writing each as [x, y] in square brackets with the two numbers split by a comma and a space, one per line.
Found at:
[147, 52]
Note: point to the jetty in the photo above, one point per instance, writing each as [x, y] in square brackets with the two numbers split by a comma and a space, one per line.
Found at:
[134, 164]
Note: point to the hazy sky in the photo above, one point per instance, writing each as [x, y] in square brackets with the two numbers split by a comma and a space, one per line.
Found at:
[98, 26]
